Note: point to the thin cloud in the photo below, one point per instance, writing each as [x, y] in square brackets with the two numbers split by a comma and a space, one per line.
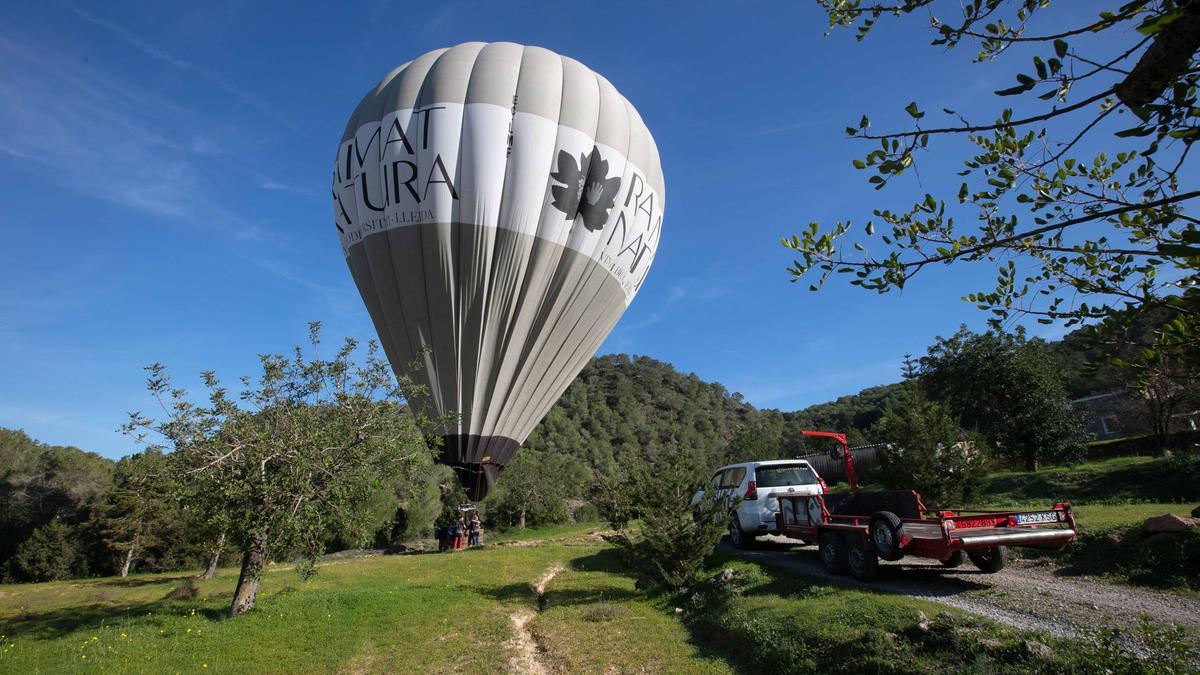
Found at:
[98, 135]
[343, 300]
[156, 53]
[276, 186]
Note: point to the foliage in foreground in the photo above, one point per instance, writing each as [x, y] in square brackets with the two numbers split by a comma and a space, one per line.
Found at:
[1077, 194]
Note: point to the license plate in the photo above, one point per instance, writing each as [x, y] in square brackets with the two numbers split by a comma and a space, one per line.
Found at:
[1041, 517]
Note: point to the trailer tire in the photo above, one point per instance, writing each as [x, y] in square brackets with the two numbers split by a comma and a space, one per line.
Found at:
[886, 533]
[956, 559]
[862, 560]
[833, 552]
[989, 560]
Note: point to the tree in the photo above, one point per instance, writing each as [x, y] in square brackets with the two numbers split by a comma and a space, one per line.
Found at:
[137, 511]
[289, 457]
[675, 537]
[1008, 388]
[1076, 237]
[47, 555]
[1163, 390]
[536, 486]
[40, 483]
[928, 451]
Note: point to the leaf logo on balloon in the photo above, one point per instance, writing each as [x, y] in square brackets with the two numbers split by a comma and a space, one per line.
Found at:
[589, 195]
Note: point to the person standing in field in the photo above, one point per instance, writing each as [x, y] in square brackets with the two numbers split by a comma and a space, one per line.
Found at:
[459, 526]
[475, 528]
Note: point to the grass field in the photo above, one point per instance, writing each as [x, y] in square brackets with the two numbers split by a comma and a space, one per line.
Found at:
[448, 612]
[454, 613]
[1120, 480]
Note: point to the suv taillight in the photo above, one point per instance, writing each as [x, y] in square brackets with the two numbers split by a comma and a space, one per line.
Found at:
[824, 487]
[751, 491]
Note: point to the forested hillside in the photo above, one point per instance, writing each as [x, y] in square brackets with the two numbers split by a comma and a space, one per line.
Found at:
[622, 406]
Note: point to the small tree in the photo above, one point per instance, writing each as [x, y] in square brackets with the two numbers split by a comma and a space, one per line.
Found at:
[929, 452]
[288, 458]
[675, 537]
[1163, 389]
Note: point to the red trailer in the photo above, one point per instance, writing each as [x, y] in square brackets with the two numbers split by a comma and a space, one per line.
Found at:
[854, 530]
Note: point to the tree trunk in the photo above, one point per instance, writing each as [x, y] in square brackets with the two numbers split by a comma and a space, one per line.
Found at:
[1031, 462]
[253, 560]
[128, 561]
[211, 570]
[521, 520]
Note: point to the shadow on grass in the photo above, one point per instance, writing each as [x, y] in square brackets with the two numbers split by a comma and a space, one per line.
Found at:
[518, 592]
[137, 582]
[56, 623]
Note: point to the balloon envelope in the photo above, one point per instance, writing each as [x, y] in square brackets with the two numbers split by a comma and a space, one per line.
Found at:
[499, 206]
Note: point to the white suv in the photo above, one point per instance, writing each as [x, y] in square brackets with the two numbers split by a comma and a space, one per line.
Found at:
[757, 483]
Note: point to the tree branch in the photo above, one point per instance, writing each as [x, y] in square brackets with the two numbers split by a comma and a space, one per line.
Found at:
[992, 127]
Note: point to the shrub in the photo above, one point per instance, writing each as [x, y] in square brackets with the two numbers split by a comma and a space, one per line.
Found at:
[586, 513]
[1165, 560]
[675, 537]
[47, 555]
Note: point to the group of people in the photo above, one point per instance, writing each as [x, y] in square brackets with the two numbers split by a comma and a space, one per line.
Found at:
[451, 535]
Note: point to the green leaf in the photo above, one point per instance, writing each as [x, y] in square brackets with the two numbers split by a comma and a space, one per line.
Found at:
[914, 111]
[1135, 131]
[864, 122]
[1060, 48]
[1179, 250]
[1040, 65]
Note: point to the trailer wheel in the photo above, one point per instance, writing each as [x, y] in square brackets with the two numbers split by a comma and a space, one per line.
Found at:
[989, 560]
[862, 560]
[886, 533]
[833, 552]
[955, 560]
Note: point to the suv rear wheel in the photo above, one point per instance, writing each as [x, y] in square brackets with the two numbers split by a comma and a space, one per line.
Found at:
[738, 536]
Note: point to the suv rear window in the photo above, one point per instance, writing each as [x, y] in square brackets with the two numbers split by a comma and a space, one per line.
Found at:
[782, 475]
[733, 477]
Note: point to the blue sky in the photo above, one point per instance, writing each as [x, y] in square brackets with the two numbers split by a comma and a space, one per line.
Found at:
[164, 172]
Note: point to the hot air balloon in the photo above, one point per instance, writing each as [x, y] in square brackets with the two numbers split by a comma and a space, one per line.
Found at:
[499, 206]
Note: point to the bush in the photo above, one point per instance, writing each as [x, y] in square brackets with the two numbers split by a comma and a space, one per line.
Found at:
[586, 513]
[1165, 560]
[675, 538]
[48, 554]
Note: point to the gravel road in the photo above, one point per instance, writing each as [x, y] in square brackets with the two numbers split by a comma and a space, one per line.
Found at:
[1025, 595]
